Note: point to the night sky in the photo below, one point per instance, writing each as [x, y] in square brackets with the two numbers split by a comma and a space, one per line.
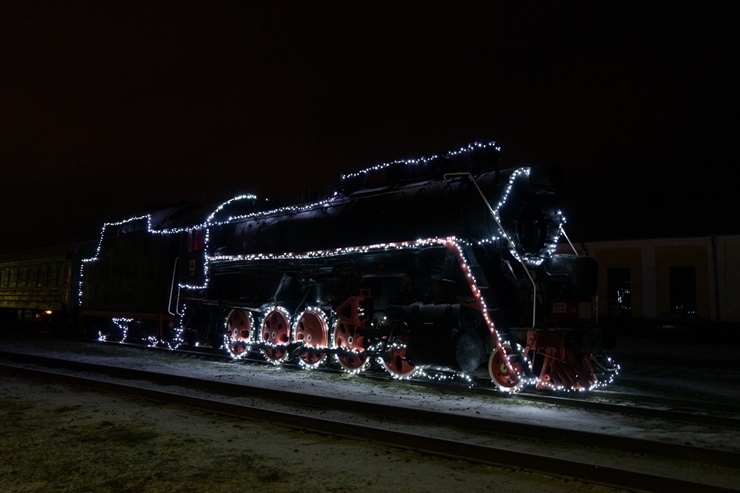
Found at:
[109, 109]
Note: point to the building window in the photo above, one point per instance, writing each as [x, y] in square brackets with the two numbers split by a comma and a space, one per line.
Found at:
[619, 294]
[682, 289]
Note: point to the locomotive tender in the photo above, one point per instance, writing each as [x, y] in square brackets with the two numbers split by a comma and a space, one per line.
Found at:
[443, 265]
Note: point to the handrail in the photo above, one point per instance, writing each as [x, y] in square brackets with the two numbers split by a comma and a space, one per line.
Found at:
[501, 227]
[562, 230]
[172, 288]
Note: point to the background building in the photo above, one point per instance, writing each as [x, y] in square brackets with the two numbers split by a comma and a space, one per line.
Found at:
[690, 280]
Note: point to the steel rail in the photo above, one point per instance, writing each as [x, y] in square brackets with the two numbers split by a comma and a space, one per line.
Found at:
[696, 404]
[692, 411]
[686, 410]
[482, 386]
[484, 454]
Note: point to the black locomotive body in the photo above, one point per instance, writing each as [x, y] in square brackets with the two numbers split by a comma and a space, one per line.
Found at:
[443, 265]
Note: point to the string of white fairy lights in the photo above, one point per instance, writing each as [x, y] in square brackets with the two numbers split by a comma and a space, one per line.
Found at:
[452, 243]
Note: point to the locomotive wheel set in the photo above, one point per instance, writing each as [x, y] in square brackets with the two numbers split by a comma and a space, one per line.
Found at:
[444, 265]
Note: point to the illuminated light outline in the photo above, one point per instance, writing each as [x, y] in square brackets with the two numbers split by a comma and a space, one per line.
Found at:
[514, 247]
[415, 370]
[598, 384]
[250, 339]
[421, 160]
[529, 258]
[218, 209]
[320, 313]
[354, 371]
[121, 323]
[451, 243]
[266, 345]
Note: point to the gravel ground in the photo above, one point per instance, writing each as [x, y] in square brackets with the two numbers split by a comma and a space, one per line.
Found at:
[60, 439]
[56, 438]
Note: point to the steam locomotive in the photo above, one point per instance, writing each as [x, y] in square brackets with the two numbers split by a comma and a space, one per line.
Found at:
[444, 265]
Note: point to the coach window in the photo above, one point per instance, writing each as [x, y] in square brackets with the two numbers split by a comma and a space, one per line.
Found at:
[619, 293]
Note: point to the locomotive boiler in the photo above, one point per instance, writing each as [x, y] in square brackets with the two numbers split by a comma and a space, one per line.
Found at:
[444, 265]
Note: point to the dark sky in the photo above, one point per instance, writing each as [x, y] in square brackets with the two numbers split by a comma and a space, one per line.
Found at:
[106, 109]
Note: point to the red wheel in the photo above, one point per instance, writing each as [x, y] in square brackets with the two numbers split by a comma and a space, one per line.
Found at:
[498, 369]
[352, 339]
[276, 333]
[394, 359]
[311, 330]
[238, 333]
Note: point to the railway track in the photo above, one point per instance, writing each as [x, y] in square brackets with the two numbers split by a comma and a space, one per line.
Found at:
[705, 413]
[689, 411]
[584, 455]
[702, 412]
